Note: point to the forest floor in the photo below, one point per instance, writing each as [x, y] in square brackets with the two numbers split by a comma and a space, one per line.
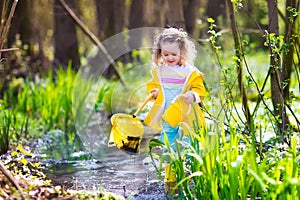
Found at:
[41, 189]
[21, 178]
[35, 185]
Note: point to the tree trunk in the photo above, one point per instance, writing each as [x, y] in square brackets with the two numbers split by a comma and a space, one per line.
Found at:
[65, 38]
[191, 14]
[216, 9]
[288, 60]
[175, 16]
[136, 20]
[7, 12]
[154, 13]
[238, 53]
[104, 13]
[94, 39]
[111, 17]
[276, 75]
[119, 15]
[21, 24]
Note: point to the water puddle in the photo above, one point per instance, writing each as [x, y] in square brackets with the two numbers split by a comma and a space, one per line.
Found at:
[106, 168]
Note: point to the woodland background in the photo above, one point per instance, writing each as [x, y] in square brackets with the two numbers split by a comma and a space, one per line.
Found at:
[254, 43]
[46, 33]
[48, 37]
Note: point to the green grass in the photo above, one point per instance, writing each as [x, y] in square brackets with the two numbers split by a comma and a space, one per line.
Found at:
[13, 127]
[219, 165]
[5, 127]
[48, 100]
[33, 108]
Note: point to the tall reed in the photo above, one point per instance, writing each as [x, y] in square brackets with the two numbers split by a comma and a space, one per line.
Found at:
[49, 100]
[13, 126]
[5, 126]
[43, 105]
[220, 165]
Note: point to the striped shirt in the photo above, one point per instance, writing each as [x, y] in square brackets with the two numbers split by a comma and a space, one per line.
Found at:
[173, 79]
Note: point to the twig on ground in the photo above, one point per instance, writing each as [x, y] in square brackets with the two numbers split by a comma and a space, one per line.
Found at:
[11, 179]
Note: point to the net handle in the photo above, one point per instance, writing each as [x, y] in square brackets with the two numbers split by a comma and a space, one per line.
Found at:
[143, 105]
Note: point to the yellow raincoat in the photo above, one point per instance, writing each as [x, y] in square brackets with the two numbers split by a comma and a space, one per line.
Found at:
[179, 112]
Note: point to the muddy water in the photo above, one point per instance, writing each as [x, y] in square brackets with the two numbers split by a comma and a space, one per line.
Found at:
[129, 177]
[99, 167]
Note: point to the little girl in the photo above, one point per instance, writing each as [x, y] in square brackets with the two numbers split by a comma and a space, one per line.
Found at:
[177, 86]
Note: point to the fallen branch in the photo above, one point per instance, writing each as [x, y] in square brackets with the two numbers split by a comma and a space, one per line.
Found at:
[10, 49]
[11, 179]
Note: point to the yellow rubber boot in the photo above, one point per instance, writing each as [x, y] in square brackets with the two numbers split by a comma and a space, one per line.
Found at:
[170, 179]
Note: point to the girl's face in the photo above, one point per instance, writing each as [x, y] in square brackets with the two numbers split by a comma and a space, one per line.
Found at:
[170, 53]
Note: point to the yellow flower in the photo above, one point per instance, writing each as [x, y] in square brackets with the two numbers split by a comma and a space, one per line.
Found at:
[14, 153]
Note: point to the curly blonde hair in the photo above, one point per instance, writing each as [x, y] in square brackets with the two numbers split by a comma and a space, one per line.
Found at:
[170, 35]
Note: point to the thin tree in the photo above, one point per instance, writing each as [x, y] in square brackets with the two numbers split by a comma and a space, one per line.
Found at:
[175, 15]
[154, 13]
[239, 55]
[110, 21]
[94, 39]
[65, 38]
[136, 20]
[191, 12]
[288, 61]
[6, 23]
[276, 69]
[110, 17]
[216, 9]
[22, 25]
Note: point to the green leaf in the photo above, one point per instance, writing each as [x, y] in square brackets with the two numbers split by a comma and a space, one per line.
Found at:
[155, 143]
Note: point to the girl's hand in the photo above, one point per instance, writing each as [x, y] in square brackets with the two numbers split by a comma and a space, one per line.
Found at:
[155, 92]
[189, 97]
